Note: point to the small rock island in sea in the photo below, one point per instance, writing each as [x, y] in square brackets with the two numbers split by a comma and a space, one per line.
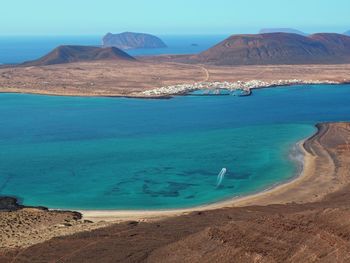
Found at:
[282, 30]
[131, 40]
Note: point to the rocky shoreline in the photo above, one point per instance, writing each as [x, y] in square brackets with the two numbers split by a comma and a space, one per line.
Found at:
[8, 204]
[11, 204]
[23, 226]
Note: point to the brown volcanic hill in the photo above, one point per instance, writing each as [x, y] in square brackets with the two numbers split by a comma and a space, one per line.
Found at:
[278, 48]
[68, 54]
[336, 44]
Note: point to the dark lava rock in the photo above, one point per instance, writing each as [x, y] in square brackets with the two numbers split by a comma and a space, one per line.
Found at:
[9, 204]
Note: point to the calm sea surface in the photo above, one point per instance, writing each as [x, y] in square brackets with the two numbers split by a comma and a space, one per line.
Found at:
[115, 153]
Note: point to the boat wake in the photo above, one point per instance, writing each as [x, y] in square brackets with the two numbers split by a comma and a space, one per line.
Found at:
[221, 176]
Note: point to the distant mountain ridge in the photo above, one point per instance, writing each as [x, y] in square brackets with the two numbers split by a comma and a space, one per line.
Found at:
[347, 33]
[131, 40]
[278, 48]
[282, 30]
[69, 53]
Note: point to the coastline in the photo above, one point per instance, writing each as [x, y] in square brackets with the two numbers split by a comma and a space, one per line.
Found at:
[147, 215]
[322, 182]
[305, 217]
[154, 80]
[245, 86]
[280, 193]
[168, 93]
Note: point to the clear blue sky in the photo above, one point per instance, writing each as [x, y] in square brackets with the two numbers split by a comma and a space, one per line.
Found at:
[96, 17]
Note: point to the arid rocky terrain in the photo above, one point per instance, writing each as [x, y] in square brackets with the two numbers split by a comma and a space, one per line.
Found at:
[22, 226]
[131, 78]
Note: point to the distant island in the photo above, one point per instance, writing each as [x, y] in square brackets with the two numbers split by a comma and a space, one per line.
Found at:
[282, 30]
[130, 40]
[277, 48]
[69, 54]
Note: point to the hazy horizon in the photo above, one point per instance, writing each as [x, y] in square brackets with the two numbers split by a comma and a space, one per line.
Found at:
[171, 34]
[67, 18]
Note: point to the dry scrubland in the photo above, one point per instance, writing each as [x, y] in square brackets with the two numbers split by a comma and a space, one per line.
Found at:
[124, 78]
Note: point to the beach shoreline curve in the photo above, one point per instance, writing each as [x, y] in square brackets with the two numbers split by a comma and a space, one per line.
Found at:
[280, 193]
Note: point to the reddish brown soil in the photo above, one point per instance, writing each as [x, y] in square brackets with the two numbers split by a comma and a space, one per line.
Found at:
[126, 78]
[278, 48]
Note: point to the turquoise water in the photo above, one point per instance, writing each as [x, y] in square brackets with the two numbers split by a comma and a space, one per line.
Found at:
[117, 153]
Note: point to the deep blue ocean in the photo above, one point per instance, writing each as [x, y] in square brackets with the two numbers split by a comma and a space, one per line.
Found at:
[118, 153]
[15, 49]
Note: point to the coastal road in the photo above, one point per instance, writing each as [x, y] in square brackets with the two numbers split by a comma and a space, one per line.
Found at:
[205, 70]
[259, 74]
[207, 75]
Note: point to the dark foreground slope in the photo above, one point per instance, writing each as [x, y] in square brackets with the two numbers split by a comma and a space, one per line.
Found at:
[68, 54]
[278, 48]
[131, 40]
[309, 232]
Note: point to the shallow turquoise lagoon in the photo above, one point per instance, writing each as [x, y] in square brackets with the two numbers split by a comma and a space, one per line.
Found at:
[116, 153]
